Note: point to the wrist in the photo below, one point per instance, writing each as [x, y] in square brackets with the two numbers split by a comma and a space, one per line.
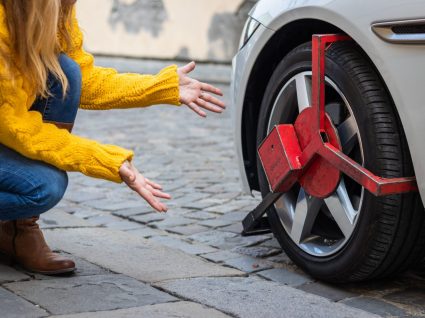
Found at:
[125, 165]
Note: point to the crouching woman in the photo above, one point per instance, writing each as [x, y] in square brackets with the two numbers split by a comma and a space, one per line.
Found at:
[45, 77]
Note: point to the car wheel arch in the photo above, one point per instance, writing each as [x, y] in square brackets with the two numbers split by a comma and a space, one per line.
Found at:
[279, 45]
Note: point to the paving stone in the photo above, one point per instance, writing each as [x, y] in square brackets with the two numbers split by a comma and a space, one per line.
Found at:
[222, 188]
[13, 306]
[91, 293]
[174, 185]
[99, 204]
[188, 229]
[413, 296]
[186, 247]
[180, 309]
[9, 274]
[281, 258]
[214, 238]
[201, 204]
[124, 225]
[133, 256]
[214, 199]
[272, 243]
[216, 223]
[248, 264]
[376, 306]
[79, 196]
[66, 206]
[226, 208]
[220, 256]
[284, 276]
[234, 228]
[147, 218]
[189, 198]
[103, 219]
[201, 215]
[171, 222]
[256, 251]
[204, 185]
[234, 216]
[113, 205]
[248, 201]
[226, 195]
[242, 296]
[84, 213]
[132, 211]
[238, 240]
[331, 292]
[176, 211]
[56, 218]
[146, 232]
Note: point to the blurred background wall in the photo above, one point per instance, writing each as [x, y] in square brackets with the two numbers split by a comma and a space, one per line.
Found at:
[204, 30]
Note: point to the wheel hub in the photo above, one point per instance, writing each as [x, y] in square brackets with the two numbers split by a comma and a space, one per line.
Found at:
[320, 179]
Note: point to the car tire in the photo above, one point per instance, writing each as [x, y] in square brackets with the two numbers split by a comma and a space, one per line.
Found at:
[388, 236]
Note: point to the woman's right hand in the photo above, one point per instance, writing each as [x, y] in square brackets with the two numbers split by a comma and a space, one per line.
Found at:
[148, 190]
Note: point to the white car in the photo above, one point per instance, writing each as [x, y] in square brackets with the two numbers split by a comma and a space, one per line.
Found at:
[375, 96]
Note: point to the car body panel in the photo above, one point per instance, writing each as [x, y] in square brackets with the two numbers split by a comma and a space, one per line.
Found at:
[401, 66]
[242, 66]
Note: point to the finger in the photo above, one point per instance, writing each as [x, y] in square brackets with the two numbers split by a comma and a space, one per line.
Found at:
[213, 100]
[209, 88]
[160, 194]
[197, 110]
[153, 184]
[188, 68]
[153, 202]
[208, 106]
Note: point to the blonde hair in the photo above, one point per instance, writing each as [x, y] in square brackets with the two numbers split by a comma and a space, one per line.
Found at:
[35, 27]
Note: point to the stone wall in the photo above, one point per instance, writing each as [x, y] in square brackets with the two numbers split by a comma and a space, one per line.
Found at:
[204, 30]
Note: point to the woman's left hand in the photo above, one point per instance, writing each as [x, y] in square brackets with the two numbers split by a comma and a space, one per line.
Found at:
[197, 95]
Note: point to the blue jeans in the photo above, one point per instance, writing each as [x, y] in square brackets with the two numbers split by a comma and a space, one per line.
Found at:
[30, 187]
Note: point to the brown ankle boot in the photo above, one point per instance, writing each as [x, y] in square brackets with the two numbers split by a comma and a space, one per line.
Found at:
[7, 234]
[30, 249]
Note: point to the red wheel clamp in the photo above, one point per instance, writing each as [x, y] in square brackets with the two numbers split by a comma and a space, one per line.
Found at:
[310, 153]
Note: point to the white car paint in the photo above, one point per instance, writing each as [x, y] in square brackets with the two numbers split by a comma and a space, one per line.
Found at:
[401, 66]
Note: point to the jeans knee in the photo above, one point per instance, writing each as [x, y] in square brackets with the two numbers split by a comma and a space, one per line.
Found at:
[51, 190]
[73, 74]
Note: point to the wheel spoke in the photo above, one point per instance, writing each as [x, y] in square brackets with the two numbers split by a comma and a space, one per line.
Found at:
[347, 132]
[286, 96]
[303, 86]
[285, 209]
[342, 210]
[305, 214]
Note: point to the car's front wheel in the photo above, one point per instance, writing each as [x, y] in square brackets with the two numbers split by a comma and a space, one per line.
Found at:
[351, 235]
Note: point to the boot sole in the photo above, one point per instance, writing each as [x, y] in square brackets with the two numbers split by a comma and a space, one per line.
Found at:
[57, 272]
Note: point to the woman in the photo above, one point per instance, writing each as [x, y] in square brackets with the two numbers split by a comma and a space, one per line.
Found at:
[45, 76]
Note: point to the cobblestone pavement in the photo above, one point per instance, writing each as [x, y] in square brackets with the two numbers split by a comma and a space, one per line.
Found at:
[192, 261]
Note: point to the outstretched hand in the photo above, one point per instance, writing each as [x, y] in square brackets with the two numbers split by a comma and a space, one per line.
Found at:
[148, 190]
[197, 95]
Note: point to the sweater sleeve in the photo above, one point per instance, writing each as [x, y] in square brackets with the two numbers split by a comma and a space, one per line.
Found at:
[25, 132]
[105, 88]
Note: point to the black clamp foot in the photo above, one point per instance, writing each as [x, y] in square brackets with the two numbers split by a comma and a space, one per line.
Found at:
[255, 223]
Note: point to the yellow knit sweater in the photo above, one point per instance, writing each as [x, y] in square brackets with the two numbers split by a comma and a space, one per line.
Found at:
[102, 88]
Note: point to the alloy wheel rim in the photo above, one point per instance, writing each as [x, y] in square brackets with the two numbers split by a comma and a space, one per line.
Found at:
[320, 227]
